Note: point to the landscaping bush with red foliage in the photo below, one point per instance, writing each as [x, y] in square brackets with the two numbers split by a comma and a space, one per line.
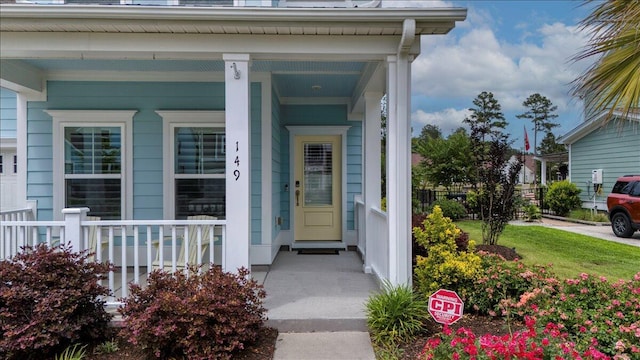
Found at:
[207, 315]
[49, 299]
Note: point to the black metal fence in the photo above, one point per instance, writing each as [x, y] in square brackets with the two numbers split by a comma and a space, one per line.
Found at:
[427, 197]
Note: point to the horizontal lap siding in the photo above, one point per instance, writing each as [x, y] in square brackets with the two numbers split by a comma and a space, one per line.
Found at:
[614, 148]
[39, 160]
[256, 164]
[354, 169]
[277, 188]
[7, 113]
[285, 175]
[146, 97]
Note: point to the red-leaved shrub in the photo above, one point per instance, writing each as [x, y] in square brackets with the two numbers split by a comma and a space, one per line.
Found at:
[50, 298]
[199, 316]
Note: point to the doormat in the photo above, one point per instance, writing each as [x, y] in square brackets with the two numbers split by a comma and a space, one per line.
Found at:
[318, 252]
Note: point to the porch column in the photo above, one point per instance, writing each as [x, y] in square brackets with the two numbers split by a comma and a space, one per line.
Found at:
[399, 169]
[372, 176]
[21, 149]
[543, 171]
[235, 247]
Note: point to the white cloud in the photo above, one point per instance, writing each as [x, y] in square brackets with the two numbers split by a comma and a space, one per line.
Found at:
[477, 61]
[447, 120]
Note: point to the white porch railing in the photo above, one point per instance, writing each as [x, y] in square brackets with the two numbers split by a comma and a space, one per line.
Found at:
[379, 232]
[131, 245]
[374, 242]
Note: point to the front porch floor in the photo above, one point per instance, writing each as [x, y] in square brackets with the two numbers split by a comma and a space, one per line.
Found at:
[312, 293]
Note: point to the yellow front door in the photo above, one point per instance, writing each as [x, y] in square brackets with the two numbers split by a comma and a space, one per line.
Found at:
[317, 190]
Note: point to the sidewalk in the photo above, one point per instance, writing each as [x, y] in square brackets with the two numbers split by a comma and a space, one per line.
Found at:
[317, 303]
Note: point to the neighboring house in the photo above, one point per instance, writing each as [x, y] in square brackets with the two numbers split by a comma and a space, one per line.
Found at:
[526, 174]
[265, 117]
[8, 156]
[612, 147]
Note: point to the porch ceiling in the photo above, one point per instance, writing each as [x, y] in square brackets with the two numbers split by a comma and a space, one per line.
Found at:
[291, 79]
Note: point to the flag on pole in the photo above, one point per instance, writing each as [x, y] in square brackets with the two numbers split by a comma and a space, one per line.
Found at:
[526, 139]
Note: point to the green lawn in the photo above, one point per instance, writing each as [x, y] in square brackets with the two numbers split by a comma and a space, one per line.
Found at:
[569, 253]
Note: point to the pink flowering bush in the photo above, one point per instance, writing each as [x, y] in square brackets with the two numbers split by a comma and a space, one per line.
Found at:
[503, 280]
[550, 343]
[590, 309]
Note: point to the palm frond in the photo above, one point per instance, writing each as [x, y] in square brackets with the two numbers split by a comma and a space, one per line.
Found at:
[613, 82]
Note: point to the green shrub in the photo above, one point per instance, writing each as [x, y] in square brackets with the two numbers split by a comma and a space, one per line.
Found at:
[395, 314]
[72, 353]
[444, 266]
[450, 208]
[201, 316]
[50, 299]
[532, 212]
[562, 197]
[107, 347]
[588, 215]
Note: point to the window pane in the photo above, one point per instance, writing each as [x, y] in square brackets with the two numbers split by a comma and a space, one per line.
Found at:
[200, 197]
[1, 167]
[199, 151]
[102, 196]
[92, 150]
[318, 189]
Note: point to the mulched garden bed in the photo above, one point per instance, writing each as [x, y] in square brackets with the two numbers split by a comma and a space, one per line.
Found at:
[262, 349]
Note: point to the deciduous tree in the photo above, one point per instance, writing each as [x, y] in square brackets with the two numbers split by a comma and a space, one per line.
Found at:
[495, 177]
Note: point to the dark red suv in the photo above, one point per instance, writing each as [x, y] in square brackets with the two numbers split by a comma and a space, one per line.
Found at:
[624, 206]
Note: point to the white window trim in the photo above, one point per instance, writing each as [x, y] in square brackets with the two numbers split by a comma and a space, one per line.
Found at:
[172, 119]
[117, 118]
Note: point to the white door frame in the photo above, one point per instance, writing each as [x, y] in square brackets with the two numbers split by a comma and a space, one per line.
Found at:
[318, 130]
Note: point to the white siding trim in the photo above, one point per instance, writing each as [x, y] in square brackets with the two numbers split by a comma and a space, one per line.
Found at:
[120, 118]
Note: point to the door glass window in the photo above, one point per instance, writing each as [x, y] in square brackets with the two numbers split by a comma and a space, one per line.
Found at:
[318, 175]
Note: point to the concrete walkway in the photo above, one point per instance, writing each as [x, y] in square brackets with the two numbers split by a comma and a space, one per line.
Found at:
[317, 303]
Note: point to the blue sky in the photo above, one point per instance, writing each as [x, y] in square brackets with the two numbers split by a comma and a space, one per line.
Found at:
[513, 48]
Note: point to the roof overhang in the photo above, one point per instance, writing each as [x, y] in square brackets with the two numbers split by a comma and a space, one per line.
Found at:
[35, 37]
[219, 20]
[556, 157]
[588, 126]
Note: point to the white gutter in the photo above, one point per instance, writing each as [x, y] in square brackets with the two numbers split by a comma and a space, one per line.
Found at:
[299, 15]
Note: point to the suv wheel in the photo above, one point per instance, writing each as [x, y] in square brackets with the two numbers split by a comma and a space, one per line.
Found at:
[621, 225]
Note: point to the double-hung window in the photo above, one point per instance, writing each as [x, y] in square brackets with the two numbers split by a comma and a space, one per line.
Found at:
[91, 161]
[195, 172]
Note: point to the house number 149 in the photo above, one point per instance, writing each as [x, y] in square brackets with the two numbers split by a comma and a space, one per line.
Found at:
[236, 172]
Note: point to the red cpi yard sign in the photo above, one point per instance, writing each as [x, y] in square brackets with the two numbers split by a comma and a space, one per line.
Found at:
[445, 306]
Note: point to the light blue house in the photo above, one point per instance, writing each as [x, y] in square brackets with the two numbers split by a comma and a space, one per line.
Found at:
[8, 156]
[601, 151]
[263, 114]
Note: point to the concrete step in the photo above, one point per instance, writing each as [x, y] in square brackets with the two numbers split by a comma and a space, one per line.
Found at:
[317, 325]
